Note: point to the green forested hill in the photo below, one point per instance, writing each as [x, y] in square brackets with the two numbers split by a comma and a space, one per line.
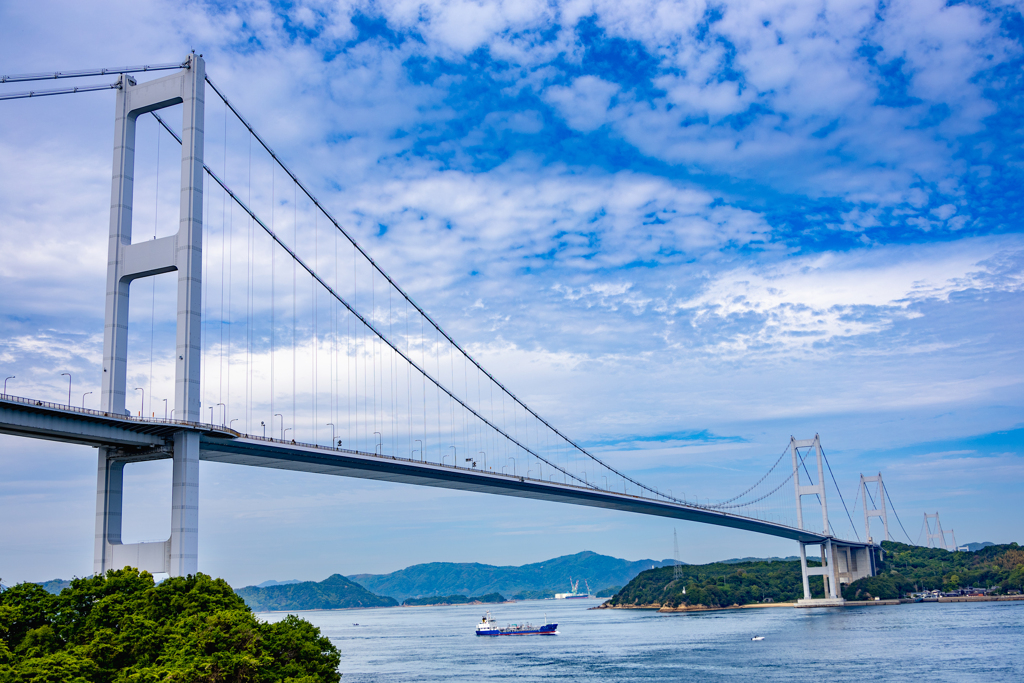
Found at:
[904, 569]
[716, 585]
[541, 579]
[454, 599]
[909, 568]
[334, 592]
[123, 627]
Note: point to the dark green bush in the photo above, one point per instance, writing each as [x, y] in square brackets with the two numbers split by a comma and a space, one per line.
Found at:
[122, 627]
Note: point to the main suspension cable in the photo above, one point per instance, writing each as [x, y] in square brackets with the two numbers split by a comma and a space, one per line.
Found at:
[724, 502]
[756, 500]
[852, 526]
[422, 312]
[83, 73]
[58, 91]
[885, 491]
[297, 259]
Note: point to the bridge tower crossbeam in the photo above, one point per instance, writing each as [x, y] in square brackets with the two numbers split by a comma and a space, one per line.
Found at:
[874, 512]
[937, 536]
[181, 252]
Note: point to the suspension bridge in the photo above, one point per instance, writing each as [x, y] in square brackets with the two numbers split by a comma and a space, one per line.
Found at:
[291, 348]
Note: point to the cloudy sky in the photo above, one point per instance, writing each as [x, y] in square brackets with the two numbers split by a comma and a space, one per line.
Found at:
[683, 231]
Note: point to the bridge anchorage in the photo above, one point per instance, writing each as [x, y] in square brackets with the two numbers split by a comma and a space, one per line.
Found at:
[403, 401]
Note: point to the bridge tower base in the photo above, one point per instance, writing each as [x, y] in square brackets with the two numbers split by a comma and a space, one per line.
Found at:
[126, 262]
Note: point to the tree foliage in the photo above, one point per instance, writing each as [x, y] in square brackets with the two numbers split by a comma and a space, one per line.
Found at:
[903, 569]
[910, 568]
[123, 627]
[454, 599]
[716, 585]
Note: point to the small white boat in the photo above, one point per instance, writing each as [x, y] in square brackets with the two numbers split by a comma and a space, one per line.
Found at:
[757, 638]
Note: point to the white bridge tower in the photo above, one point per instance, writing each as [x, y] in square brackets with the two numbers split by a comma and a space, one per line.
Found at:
[877, 511]
[126, 262]
[841, 563]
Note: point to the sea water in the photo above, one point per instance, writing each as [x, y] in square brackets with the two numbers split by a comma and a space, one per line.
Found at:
[918, 642]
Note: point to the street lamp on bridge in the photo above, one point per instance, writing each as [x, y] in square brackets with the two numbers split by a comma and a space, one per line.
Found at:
[142, 409]
[69, 386]
[5, 383]
[83, 398]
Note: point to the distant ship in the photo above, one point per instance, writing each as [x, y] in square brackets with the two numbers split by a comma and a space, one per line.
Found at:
[488, 627]
[574, 593]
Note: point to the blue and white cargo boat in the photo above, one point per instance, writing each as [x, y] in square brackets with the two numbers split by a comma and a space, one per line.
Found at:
[488, 627]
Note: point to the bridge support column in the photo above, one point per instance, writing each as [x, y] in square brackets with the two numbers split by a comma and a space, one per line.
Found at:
[178, 555]
[184, 542]
[829, 571]
[110, 552]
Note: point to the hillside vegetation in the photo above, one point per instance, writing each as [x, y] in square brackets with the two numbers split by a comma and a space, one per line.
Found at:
[904, 569]
[909, 568]
[334, 592]
[715, 585]
[454, 600]
[122, 627]
[538, 580]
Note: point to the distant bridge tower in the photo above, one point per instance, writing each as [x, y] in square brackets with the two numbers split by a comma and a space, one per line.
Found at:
[877, 511]
[936, 534]
[181, 252]
[950, 546]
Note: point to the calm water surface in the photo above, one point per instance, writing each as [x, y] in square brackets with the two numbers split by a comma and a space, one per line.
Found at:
[932, 642]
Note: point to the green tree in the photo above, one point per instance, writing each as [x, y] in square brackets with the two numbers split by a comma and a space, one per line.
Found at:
[122, 628]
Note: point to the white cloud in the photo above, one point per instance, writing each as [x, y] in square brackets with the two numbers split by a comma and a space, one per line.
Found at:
[807, 300]
[585, 103]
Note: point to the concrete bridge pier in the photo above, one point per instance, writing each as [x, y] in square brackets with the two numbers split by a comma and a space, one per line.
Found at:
[177, 556]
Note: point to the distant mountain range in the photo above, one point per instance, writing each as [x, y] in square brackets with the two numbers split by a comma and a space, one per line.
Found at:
[268, 584]
[975, 547]
[739, 560]
[55, 586]
[334, 592]
[539, 580]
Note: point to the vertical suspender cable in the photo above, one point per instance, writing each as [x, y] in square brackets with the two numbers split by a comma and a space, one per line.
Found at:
[152, 306]
[295, 309]
[273, 304]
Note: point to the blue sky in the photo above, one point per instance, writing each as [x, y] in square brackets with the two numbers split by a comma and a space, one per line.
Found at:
[682, 231]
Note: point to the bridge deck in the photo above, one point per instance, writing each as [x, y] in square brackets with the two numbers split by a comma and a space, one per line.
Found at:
[141, 438]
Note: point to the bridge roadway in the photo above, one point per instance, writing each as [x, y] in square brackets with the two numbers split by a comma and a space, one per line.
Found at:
[140, 439]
